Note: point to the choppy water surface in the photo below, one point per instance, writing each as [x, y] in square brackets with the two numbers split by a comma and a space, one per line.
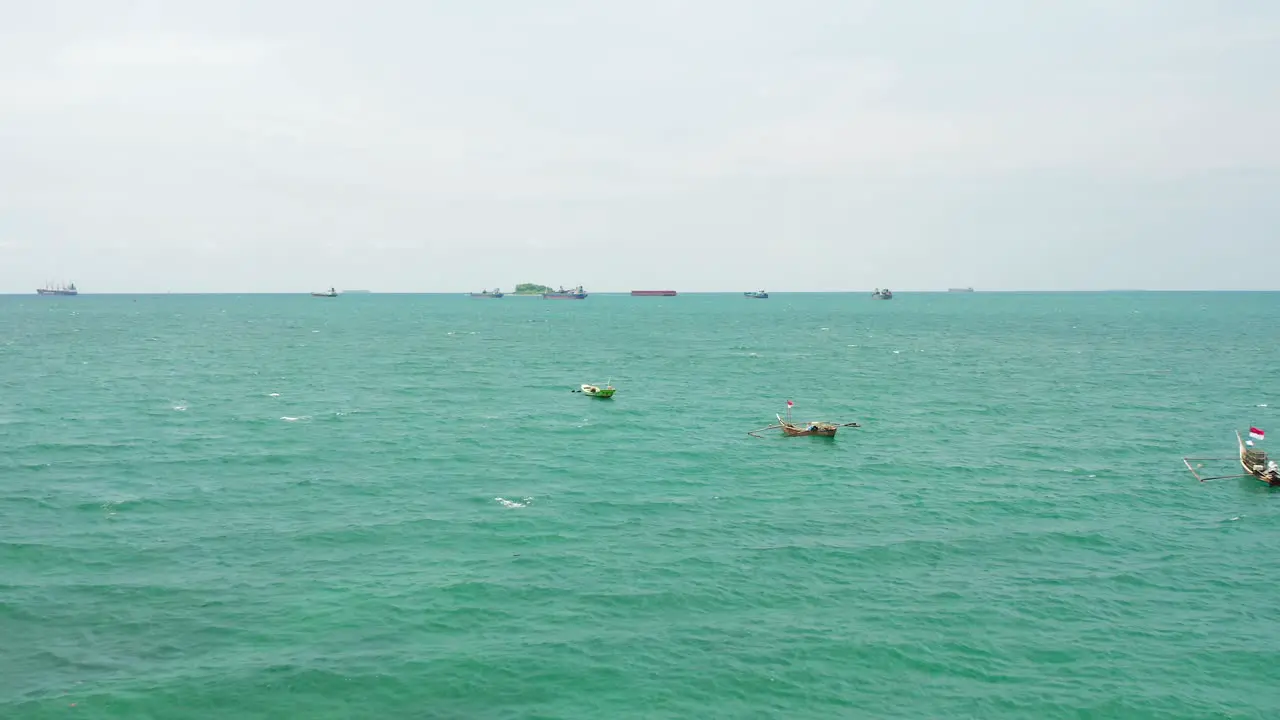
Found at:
[383, 506]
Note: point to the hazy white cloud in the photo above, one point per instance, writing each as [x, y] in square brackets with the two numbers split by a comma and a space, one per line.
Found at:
[281, 145]
[160, 50]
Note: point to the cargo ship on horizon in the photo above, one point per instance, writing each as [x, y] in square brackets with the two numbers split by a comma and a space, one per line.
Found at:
[575, 294]
[50, 289]
[653, 293]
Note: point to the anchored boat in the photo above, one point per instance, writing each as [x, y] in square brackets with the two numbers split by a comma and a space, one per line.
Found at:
[497, 293]
[885, 294]
[757, 295]
[333, 292]
[596, 391]
[812, 428]
[1253, 461]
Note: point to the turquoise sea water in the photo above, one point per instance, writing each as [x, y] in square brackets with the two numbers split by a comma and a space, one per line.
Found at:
[393, 506]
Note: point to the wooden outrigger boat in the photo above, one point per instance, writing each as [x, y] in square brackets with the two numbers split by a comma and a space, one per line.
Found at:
[809, 429]
[1253, 461]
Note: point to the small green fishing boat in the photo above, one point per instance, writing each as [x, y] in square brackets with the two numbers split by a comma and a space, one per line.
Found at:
[600, 392]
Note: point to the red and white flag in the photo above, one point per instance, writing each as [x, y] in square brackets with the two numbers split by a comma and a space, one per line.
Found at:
[791, 404]
[1256, 434]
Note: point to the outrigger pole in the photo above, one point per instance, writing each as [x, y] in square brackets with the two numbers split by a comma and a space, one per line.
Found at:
[1224, 477]
[771, 427]
[1187, 462]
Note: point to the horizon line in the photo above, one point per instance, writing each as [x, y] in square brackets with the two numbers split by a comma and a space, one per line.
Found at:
[627, 293]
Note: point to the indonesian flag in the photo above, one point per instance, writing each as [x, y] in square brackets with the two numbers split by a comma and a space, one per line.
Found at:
[791, 405]
[1256, 434]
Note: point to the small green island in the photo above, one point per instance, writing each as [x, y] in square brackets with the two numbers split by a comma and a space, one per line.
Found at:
[532, 289]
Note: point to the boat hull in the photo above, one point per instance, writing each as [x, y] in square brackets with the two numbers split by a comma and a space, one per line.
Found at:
[756, 296]
[495, 296]
[598, 392]
[64, 293]
[793, 431]
[811, 429]
[653, 293]
[567, 296]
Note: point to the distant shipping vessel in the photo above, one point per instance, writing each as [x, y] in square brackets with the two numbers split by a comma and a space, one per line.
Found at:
[960, 290]
[486, 294]
[576, 294]
[757, 295]
[885, 294]
[653, 293]
[332, 292]
[50, 289]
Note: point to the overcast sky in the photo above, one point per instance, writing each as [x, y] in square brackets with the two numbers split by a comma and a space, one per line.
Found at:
[401, 145]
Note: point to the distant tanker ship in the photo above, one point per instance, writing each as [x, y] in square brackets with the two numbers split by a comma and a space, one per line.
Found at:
[653, 293]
